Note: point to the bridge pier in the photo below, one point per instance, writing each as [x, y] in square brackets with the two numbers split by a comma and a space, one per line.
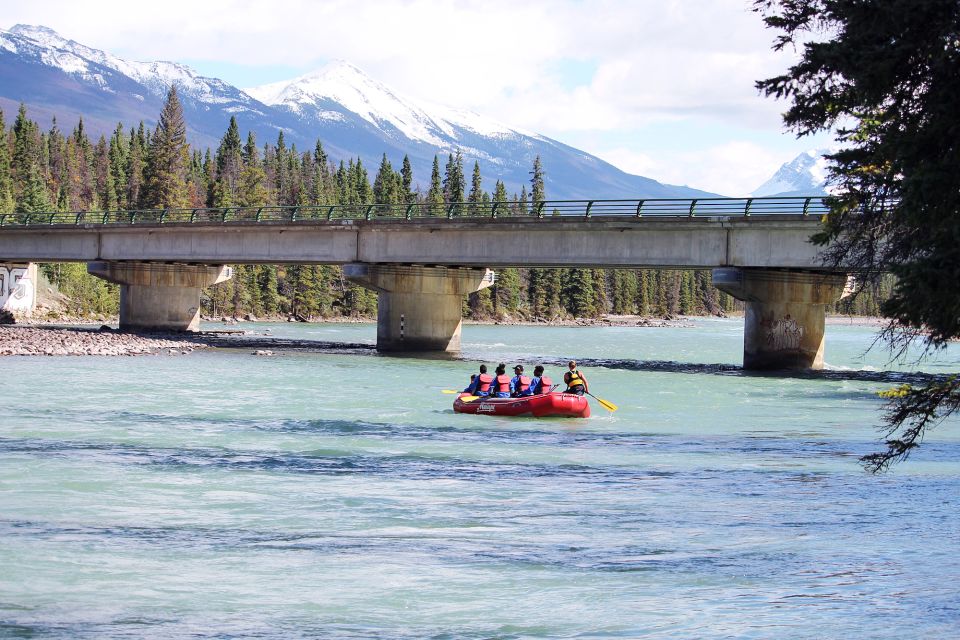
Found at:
[785, 314]
[18, 288]
[155, 296]
[419, 308]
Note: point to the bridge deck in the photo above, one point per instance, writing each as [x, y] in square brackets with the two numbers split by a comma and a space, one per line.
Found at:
[700, 233]
[548, 210]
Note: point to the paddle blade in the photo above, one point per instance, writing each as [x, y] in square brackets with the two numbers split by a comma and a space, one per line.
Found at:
[449, 391]
[606, 404]
[469, 398]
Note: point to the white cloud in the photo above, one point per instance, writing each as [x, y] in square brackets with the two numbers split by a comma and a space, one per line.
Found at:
[629, 63]
[654, 58]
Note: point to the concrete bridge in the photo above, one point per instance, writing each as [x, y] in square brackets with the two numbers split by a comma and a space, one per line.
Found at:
[423, 259]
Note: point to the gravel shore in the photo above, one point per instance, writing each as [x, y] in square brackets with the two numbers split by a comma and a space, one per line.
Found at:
[49, 341]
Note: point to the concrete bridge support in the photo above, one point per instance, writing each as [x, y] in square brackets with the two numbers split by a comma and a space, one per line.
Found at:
[160, 297]
[419, 308]
[785, 313]
[18, 288]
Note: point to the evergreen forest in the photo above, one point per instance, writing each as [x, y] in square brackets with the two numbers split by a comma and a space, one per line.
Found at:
[140, 168]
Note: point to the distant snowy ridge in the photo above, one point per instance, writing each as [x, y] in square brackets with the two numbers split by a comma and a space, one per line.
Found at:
[75, 58]
[352, 114]
[343, 83]
[805, 175]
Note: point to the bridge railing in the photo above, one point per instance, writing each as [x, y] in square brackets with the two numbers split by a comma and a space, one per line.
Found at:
[548, 209]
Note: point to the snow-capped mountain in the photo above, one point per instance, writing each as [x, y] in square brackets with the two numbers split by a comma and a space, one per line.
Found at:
[346, 85]
[351, 113]
[805, 175]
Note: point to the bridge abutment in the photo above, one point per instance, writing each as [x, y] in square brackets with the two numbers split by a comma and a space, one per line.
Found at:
[156, 296]
[419, 308]
[18, 288]
[785, 314]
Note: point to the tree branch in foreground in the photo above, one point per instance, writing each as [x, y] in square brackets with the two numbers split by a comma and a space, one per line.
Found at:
[914, 410]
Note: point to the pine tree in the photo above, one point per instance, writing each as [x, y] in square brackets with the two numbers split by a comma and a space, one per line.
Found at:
[34, 197]
[229, 166]
[26, 151]
[538, 190]
[165, 183]
[578, 292]
[384, 184]
[106, 198]
[136, 162]
[118, 157]
[361, 183]
[56, 158]
[454, 182]
[476, 190]
[406, 183]
[6, 182]
[435, 195]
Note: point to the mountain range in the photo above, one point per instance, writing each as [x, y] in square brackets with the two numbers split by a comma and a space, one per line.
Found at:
[351, 113]
[805, 175]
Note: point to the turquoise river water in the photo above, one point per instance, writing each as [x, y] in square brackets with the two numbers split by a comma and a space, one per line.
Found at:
[334, 493]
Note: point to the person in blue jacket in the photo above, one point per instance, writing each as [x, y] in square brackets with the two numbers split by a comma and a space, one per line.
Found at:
[480, 384]
[539, 383]
[520, 384]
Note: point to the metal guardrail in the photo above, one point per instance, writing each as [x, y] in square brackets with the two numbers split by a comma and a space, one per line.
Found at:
[584, 209]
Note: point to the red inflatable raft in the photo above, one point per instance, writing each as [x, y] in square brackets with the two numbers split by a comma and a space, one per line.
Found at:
[540, 406]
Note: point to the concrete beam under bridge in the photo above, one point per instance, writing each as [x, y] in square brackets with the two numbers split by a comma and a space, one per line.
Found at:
[419, 308]
[785, 314]
[160, 297]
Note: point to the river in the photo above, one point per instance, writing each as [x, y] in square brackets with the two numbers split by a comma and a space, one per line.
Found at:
[336, 494]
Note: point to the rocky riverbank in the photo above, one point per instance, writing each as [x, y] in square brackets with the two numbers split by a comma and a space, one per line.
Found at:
[49, 341]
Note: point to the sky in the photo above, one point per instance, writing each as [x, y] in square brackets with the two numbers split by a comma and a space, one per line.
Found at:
[659, 88]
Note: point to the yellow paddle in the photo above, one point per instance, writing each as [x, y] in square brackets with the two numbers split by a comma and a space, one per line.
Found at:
[606, 404]
[464, 398]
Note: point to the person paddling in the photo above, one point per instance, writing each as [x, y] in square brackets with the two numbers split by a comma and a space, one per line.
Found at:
[480, 384]
[576, 382]
[520, 384]
[501, 383]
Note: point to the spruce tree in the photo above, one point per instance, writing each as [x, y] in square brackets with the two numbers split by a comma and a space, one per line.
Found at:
[453, 181]
[406, 173]
[476, 190]
[26, 150]
[538, 189]
[435, 195]
[229, 166]
[6, 182]
[136, 161]
[118, 155]
[34, 197]
[384, 184]
[165, 176]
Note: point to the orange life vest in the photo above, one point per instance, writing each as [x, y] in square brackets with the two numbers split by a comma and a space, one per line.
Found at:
[524, 384]
[485, 381]
[502, 384]
[545, 384]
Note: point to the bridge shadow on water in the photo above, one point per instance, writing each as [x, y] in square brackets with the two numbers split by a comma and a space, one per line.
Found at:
[235, 341]
[650, 366]
[668, 366]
